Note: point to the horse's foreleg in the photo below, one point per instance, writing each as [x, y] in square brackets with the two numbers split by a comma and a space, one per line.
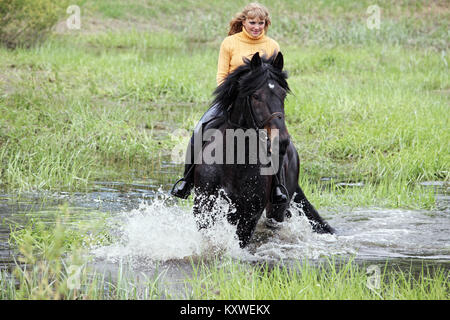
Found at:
[275, 213]
[318, 224]
[245, 229]
[202, 210]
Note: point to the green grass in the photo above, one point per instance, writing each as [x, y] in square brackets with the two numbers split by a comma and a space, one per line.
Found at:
[367, 106]
[234, 281]
[326, 22]
[337, 281]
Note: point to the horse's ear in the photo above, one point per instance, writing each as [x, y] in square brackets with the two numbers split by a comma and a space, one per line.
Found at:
[256, 61]
[279, 61]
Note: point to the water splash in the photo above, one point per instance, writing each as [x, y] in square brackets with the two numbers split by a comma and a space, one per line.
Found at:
[158, 231]
[295, 239]
[161, 231]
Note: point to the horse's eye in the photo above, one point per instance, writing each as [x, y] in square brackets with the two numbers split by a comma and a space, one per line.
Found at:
[255, 96]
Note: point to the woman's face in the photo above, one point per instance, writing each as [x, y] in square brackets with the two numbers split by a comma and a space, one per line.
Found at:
[254, 26]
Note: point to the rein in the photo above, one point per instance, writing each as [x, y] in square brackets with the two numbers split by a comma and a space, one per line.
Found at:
[257, 125]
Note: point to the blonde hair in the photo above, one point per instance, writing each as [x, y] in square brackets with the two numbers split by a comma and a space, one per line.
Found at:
[251, 11]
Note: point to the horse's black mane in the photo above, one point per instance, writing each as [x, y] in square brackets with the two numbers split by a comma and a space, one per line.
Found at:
[243, 81]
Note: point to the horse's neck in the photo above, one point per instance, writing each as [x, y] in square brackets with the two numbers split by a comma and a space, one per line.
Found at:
[237, 114]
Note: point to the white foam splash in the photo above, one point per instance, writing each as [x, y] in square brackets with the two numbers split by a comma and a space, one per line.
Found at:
[295, 239]
[157, 231]
[161, 231]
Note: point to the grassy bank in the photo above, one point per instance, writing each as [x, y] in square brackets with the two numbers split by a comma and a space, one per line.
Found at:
[344, 281]
[238, 281]
[368, 106]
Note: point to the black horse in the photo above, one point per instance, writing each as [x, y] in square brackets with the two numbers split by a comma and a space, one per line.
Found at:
[252, 97]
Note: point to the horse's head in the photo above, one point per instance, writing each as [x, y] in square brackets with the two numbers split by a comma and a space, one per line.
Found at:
[267, 88]
[254, 95]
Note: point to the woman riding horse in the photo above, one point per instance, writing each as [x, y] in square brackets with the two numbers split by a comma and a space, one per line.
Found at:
[252, 97]
[247, 36]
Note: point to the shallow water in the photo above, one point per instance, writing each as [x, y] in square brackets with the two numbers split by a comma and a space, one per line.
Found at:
[155, 233]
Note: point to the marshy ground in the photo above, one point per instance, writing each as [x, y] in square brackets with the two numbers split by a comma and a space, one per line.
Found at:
[90, 119]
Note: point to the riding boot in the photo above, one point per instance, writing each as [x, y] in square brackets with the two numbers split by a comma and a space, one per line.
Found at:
[182, 188]
[279, 191]
[211, 119]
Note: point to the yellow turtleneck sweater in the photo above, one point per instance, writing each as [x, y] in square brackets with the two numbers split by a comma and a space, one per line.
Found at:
[239, 45]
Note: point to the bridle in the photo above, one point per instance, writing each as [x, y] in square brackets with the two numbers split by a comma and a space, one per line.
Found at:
[248, 112]
[257, 125]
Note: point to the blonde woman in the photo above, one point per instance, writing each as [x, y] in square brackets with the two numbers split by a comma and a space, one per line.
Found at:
[247, 35]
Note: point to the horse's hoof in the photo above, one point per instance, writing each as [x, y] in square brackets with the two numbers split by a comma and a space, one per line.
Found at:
[331, 230]
[324, 228]
[273, 224]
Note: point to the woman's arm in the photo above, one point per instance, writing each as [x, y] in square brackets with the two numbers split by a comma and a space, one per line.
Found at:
[277, 46]
[223, 65]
